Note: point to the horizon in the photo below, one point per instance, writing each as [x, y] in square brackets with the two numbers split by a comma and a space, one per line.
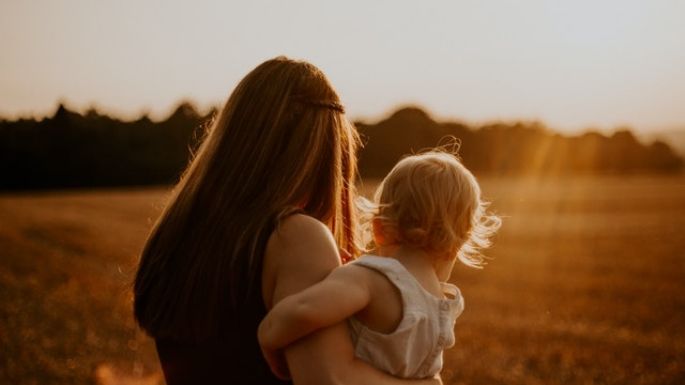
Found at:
[645, 136]
[574, 67]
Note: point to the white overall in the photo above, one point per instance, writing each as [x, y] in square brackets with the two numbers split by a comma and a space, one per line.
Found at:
[414, 349]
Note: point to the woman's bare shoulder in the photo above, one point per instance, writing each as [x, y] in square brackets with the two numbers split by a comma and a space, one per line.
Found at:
[299, 253]
[298, 227]
[300, 233]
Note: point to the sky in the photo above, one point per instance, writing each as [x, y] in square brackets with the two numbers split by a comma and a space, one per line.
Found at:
[572, 64]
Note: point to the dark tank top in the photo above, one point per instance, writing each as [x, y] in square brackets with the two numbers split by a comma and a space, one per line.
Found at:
[232, 358]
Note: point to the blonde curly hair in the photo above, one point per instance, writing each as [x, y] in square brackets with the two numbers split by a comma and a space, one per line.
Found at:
[430, 201]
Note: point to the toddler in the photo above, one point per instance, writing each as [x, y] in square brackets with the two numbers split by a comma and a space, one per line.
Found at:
[426, 214]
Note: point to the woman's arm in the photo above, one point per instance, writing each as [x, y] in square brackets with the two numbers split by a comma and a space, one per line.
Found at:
[342, 294]
[300, 254]
[327, 357]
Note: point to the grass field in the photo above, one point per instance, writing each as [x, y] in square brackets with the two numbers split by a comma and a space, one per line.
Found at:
[586, 286]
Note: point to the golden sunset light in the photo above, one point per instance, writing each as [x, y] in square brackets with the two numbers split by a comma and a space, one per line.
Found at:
[572, 64]
[387, 192]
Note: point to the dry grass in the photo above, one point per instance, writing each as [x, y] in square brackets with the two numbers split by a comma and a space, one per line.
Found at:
[586, 286]
[65, 275]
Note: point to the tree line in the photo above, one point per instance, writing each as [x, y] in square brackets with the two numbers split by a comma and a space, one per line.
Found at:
[70, 149]
[516, 148]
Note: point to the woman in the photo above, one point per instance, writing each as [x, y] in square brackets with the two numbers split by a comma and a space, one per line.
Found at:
[258, 215]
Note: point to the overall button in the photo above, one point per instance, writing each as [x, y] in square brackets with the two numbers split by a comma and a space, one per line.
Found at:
[444, 306]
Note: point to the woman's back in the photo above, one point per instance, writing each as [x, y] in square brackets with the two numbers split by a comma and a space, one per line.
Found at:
[233, 358]
[233, 355]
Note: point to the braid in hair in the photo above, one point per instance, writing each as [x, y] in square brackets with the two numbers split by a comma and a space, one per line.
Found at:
[333, 105]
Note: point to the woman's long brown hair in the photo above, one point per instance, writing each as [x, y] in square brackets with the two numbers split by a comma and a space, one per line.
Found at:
[281, 143]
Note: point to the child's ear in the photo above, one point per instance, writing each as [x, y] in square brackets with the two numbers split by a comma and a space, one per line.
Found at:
[379, 237]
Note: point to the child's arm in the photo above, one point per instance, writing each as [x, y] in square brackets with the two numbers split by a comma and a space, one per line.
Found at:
[342, 294]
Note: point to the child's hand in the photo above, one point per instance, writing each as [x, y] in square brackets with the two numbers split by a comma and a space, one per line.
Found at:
[274, 357]
[277, 363]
